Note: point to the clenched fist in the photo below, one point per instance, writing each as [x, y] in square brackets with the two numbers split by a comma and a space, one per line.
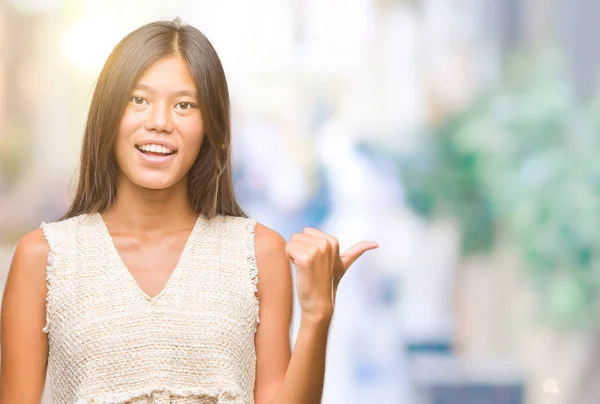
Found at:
[320, 267]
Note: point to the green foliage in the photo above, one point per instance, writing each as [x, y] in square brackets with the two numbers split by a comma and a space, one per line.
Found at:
[523, 163]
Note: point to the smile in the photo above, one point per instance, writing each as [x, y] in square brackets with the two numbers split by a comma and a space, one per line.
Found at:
[154, 149]
[155, 155]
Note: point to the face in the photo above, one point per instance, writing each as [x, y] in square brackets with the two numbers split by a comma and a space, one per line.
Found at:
[161, 131]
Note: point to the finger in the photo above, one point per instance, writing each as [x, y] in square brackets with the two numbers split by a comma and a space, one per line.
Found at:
[315, 232]
[322, 243]
[296, 251]
[318, 233]
[305, 238]
[353, 253]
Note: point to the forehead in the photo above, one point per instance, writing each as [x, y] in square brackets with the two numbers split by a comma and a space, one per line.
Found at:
[171, 73]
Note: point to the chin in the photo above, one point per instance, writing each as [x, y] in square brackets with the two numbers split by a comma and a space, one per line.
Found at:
[155, 182]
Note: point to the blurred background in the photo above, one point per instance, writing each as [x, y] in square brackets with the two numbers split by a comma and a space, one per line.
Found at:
[462, 135]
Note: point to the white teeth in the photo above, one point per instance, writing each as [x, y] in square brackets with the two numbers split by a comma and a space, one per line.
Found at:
[155, 148]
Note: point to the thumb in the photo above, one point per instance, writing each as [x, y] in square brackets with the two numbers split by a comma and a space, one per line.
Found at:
[353, 253]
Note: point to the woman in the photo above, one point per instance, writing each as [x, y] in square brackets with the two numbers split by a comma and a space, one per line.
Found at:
[148, 290]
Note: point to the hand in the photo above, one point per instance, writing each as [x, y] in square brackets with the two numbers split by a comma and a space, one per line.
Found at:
[320, 268]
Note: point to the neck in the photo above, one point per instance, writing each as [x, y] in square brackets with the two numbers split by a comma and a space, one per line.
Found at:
[139, 209]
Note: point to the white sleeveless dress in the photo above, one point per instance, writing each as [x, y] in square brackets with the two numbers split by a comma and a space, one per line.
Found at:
[109, 342]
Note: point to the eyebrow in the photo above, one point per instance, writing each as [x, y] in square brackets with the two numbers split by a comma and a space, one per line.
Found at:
[179, 93]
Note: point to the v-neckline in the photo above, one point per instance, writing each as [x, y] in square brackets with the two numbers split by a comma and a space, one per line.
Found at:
[127, 273]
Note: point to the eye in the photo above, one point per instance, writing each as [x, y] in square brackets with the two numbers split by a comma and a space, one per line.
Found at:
[137, 100]
[185, 105]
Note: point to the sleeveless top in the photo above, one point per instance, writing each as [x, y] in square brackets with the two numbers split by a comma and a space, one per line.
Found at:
[109, 342]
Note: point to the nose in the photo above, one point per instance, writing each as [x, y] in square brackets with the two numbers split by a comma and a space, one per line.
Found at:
[159, 118]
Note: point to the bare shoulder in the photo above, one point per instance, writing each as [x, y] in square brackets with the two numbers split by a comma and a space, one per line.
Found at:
[29, 261]
[268, 241]
[32, 250]
[274, 270]
[34, 243]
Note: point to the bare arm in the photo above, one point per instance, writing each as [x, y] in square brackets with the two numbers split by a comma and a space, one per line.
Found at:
[320, 267]
[303, 382]
[279, 379]
[24, 345]
[275, 294]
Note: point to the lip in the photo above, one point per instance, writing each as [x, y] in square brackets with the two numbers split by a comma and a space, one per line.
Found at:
[156, 161]
[168, 145]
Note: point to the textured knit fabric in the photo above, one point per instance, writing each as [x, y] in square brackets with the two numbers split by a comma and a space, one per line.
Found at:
[109, 342]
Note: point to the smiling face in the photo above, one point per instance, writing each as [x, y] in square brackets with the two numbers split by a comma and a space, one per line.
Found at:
[161, 131]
